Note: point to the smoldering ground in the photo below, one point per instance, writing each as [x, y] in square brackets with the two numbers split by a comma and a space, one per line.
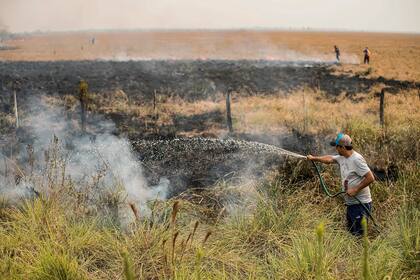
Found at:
[53, 152]
[200, 162]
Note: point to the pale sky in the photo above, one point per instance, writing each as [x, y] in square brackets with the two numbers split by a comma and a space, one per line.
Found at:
[60, 15]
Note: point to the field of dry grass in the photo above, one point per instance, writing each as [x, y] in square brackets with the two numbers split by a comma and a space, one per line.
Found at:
[307, 112]
[395, 56]
[280, 227]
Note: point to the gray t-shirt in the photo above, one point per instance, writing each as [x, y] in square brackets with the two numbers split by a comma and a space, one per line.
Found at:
[353, 169]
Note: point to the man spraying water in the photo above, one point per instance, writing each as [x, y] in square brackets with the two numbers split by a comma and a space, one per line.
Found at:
[355, 177]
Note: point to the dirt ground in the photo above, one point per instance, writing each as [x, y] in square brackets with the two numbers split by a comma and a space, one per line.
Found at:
[394, 56]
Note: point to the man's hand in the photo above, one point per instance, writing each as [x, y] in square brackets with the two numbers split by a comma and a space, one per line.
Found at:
[367, 180]
[352, 192]
[310, 157]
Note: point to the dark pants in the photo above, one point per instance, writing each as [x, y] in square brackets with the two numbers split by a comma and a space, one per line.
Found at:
[366, 60]
[355, 214]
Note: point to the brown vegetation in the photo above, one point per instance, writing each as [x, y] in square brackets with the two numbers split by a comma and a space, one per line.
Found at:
[281, 227]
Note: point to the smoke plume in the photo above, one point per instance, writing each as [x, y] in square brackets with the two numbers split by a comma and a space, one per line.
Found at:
[94, 162]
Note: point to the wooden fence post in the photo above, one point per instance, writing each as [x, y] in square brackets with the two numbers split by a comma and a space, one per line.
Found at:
[83, 98]
[154, 102]
[228, 112]
[382, 108]
[5, 163]
[305, 114]
[16, 108]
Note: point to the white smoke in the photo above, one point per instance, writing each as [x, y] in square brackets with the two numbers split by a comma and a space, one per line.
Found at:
[97, 159]
[287, 58]
[265, 51]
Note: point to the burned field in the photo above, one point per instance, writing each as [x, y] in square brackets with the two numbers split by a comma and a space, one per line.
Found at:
[187, 163]
[189, 81]
[137, 164]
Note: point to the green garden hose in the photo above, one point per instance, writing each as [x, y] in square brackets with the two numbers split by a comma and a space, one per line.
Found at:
[327, 192]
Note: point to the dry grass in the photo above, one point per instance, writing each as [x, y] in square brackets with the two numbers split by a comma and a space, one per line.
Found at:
[322, 115]
[270, 237]
[305, 110]
[267, 232]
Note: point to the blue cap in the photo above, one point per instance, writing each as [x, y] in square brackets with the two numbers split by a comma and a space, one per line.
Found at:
[342, 140]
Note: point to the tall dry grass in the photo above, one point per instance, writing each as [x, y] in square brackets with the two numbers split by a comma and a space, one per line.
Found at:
[289, 231]
[281, 228]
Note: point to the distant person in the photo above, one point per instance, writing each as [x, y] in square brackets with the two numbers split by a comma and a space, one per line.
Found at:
[355, 180]
[366, 53]
[93, 41]
[337, 53]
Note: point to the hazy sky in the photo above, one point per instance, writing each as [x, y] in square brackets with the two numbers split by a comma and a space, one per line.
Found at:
[56, 15]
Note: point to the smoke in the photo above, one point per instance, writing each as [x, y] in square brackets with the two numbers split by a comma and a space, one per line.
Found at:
[204, 45]
[95, 163]
[260, 51]
[241, 199]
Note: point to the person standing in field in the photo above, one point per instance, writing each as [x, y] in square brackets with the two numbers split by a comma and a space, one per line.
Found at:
[366, 53]
[337, 53]
[355, 180]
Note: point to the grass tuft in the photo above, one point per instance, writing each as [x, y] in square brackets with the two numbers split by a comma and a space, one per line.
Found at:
[54, 266]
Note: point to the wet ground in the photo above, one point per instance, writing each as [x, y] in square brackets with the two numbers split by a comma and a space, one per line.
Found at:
[199, 162]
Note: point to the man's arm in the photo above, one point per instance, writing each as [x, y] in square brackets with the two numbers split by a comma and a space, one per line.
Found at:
[367, 180]
[324, 159]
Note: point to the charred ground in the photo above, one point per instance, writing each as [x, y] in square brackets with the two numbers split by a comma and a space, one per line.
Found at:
[189, 79]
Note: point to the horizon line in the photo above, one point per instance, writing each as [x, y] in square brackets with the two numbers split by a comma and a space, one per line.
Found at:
[292, 29]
